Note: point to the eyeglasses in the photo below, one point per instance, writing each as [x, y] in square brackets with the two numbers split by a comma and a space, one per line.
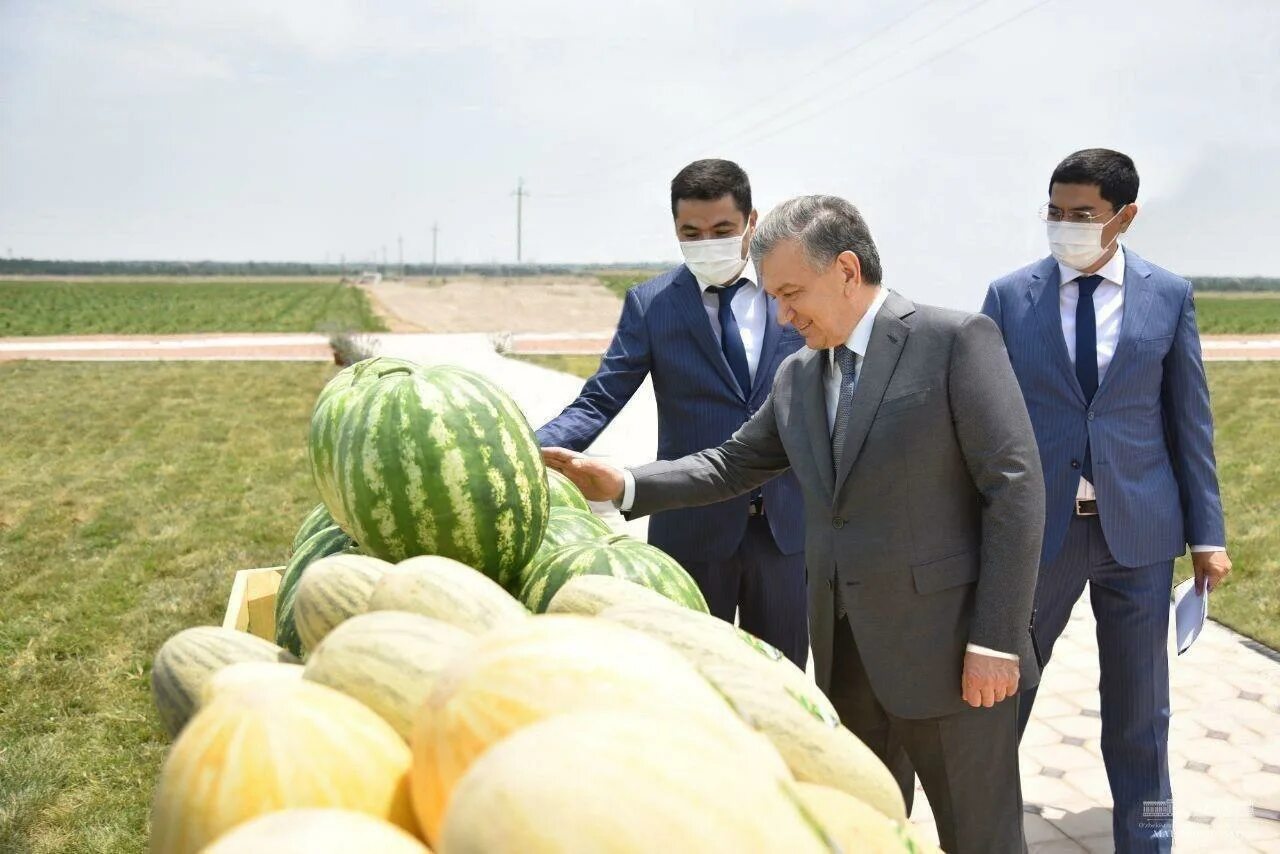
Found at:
[1048, 213]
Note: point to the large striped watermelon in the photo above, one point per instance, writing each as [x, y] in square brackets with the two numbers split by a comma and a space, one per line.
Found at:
[317, 520]
[415, 461]
[564, 493]
[618, 555]
[323, 543]
[566, 525]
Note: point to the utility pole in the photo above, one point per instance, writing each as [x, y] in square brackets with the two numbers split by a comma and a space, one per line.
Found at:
[400, 242]
[435, 237]
[520, 194]
[384, 259]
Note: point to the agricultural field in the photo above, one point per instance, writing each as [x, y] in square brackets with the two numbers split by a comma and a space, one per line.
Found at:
[1238, 313]
[171, 306]
[142, 487]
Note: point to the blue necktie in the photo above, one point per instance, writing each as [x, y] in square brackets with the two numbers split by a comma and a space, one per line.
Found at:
[731, 338]
[1087, 351]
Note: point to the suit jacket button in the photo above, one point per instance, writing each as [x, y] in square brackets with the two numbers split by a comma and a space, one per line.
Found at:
[837, 522]
[1075, 464]
[1090, 414]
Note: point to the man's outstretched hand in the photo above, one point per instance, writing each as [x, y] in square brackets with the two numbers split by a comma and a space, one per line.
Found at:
[598, 480]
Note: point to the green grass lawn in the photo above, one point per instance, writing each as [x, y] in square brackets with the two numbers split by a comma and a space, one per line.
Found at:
[622, 282]
[160, 306]
[130, 493]
[1238, 313]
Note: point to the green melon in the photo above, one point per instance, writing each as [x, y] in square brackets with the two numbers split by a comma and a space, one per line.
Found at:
[566, 525]
[618, 555]
[328, 541]
[189, 659]
[317, 520]
[334, 589]
[415, 460]
[564, 493]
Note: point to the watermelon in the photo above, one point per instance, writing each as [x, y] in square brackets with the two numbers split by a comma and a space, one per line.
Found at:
[618, 555]
[188, 660]
[317, 520]
[415, 461]
[328, 541]
[566, 525]
[564, 493]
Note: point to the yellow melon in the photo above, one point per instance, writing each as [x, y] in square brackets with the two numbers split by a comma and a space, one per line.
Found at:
[316, 831]
[272, 748]
[856, 826]
[546, 665]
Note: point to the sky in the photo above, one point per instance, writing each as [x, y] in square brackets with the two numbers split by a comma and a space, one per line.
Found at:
[316, 129]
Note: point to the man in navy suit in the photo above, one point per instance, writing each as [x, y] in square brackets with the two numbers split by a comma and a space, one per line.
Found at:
[1105, 347]
[707, 334]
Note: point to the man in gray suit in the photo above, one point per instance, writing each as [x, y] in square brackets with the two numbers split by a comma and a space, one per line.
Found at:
[924, 507]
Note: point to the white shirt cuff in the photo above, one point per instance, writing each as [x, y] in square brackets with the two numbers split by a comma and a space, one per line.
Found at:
[982, 650]
[628, 491]
[1198, 549]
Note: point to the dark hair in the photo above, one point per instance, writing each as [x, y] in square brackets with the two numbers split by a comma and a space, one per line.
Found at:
[707, 180]
[1112, 172]
[825, 227]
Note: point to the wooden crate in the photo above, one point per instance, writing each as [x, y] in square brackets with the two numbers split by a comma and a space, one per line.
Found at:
[252, 605]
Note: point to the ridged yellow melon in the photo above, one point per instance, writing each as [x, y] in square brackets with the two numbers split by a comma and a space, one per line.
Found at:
[316, 831]
[625, 783]
[543, 666]
[334, 589]
[590, 595]
[250, 676]
[252, 752]
[447, 590]
[855, 826]
[388, 660]
[777, 698]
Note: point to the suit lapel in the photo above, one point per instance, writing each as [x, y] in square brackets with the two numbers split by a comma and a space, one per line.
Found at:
[690, 302]
[1137, 304]
[772, 332]
[812, 394]
[888, 337]
[1045, 303]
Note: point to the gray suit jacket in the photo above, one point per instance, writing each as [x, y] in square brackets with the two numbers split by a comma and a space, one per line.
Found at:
[932, 528]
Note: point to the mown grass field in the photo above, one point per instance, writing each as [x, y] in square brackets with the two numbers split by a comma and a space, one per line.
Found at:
[579, 366]
[171, 306]
[1243, 313]
[129, 494]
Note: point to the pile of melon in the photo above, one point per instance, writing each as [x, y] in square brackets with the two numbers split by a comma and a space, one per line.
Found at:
[556, 689]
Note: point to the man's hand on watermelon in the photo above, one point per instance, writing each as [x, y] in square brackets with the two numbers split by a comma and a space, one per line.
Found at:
[598, 480]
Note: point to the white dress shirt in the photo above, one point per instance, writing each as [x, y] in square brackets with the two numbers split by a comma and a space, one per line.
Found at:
[750, 312]
[1108, 310]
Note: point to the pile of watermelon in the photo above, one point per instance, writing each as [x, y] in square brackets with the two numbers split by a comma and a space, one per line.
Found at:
[467, 658]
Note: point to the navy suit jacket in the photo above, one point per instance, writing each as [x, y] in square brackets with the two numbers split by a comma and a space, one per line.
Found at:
[1149, 426]
[664, 332]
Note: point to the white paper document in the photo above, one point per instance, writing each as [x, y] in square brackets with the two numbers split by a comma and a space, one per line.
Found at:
[1189, 612]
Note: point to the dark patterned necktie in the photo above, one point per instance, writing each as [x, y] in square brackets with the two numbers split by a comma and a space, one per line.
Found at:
[1087, 352]
[731, 337]
[847, 361]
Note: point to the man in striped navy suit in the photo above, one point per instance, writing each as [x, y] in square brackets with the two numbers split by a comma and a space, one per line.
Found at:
[707, 333]
[1105, 347]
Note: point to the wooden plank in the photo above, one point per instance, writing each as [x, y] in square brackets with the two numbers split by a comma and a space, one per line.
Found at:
[252, 603]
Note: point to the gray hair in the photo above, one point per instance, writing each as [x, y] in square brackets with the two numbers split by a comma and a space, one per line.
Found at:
[825, 226]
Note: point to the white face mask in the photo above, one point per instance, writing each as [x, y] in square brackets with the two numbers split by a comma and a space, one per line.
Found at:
[715, 262]
[1078, 244]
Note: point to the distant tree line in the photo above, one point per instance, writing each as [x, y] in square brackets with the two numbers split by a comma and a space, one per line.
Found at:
[35, 267]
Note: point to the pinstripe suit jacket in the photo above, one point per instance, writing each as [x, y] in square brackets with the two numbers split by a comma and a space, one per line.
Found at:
[664, 333]
[1149, 426]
